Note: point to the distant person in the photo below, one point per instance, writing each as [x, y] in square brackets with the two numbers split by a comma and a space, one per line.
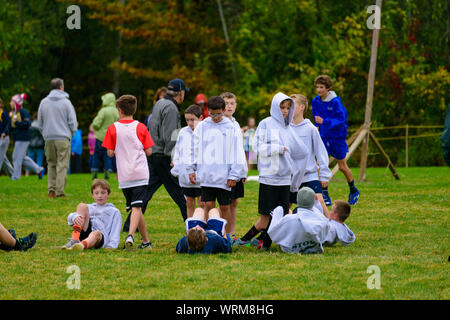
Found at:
[160, 93]
[91, 146]
[36, 150]
[311, 226]
[330, 116]
[131, 143]
[208, 237]
[107, 115]
[249, 133]
[58, 123]
[95, 225]
[76, 151]
[20, 125]
[202, 101]
[183, 156]
[9, 240]
[445, 138]
[5, 125]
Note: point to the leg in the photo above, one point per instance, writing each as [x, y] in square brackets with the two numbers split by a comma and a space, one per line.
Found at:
[190, 204]
[137, 221]
[199, 213]
[343, 167]
[6, 238]
[4, 143]
[20, 149]
[50, 154]
[96, 158]
[200, 204]
[62, 165]
[93, 240]
[231, 226]
[83, 220]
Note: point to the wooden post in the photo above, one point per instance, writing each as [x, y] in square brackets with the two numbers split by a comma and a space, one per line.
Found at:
[406, 145]
[369, 100]
[352, 147]
[227, 39]
[390, 164]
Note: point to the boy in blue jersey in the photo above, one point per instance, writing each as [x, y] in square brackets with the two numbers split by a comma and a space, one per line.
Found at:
[331, 117]
[205, 237]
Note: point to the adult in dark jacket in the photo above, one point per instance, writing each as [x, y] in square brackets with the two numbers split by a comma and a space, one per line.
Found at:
[163, 127]
[20, 124]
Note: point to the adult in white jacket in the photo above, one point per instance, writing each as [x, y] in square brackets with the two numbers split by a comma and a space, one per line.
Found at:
[306, 169]
[311, 226]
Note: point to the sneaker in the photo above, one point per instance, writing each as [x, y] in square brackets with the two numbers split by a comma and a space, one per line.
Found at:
[51, 194]
[129, 241]
[78, 247]
[240, 243]
[28, 242]
[145, 246]
[69, 245]
[41, 174]
[354, 196]
[13, 233]
[94, 175]
[106, 175]
[326, 198]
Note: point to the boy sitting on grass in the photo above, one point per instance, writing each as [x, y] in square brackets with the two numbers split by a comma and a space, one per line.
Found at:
[205, 237]
[95, 225]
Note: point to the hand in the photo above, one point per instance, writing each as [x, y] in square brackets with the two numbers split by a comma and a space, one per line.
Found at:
[231, 183]
[3, 136]
[192, 178]
[324, 184]
[284, 151]
[79, 221]
[171, 164]
[244, 180]
[318, 119]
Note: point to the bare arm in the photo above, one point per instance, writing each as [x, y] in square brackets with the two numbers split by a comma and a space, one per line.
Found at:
[112, 154]
[324, 206]
[148, 152]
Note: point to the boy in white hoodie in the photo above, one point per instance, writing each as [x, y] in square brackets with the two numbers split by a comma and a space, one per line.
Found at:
[317, 153]
[95, 225]
[183, 152]
[217, 163]
[277, 148]
[311, 226]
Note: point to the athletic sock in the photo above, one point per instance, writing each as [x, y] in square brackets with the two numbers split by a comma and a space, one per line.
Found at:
[267, 242]
[250, 234]
[85, 244]
[76, 232]
[352, 186]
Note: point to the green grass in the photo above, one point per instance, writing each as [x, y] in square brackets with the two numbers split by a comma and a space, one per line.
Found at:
[400, 226]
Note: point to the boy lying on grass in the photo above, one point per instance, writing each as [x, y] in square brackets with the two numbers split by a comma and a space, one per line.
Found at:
[205, 237]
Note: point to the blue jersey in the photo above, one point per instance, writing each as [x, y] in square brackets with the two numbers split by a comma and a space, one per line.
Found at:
[334, 116]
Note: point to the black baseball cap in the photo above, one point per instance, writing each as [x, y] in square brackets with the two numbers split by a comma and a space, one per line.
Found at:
[177, 85]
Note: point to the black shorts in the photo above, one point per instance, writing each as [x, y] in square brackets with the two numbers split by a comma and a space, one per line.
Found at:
[192, 192]
[85, 234]
[314, 184]
[271, 197]
[136, 197]
[238, 190]
[211, 194]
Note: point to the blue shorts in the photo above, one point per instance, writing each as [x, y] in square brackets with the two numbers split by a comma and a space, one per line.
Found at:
[336, 148]
[314, 184]
[214, 224]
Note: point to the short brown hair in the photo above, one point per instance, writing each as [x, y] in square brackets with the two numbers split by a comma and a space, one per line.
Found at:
[342, 209]
[56, 83]
[128, 104]
[228, 95]
[102, 184]
[323, 79]
[196, 239]
[194, 109]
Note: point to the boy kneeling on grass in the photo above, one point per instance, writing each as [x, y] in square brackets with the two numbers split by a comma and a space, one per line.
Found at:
[205, 237]
[95, 225]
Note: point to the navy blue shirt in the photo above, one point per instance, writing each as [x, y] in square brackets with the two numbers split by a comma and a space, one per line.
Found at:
[5, 123]
[22, 130]
[215, 244]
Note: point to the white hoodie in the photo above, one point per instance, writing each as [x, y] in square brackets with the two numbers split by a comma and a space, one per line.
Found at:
[309, 134]
[183, 156]
[307, 231]
[218, 154]
[106, 219]
[272, 135]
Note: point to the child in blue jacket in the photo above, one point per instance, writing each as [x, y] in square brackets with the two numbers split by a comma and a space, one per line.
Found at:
[331, 117]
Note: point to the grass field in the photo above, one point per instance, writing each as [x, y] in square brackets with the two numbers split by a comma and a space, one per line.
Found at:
[401, 226]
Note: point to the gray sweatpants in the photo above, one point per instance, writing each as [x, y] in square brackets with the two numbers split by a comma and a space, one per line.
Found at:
[4, 162]
[20, 158]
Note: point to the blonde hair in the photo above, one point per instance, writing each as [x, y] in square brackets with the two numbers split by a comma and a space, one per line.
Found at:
[228, 95]
[158, 93]
[196, 239]
[300, 99]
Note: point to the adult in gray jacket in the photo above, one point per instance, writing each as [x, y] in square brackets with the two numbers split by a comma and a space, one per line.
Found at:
[58, 123]
[163, 127]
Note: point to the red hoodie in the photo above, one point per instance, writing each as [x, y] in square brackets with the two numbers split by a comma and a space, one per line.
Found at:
[201, 98]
